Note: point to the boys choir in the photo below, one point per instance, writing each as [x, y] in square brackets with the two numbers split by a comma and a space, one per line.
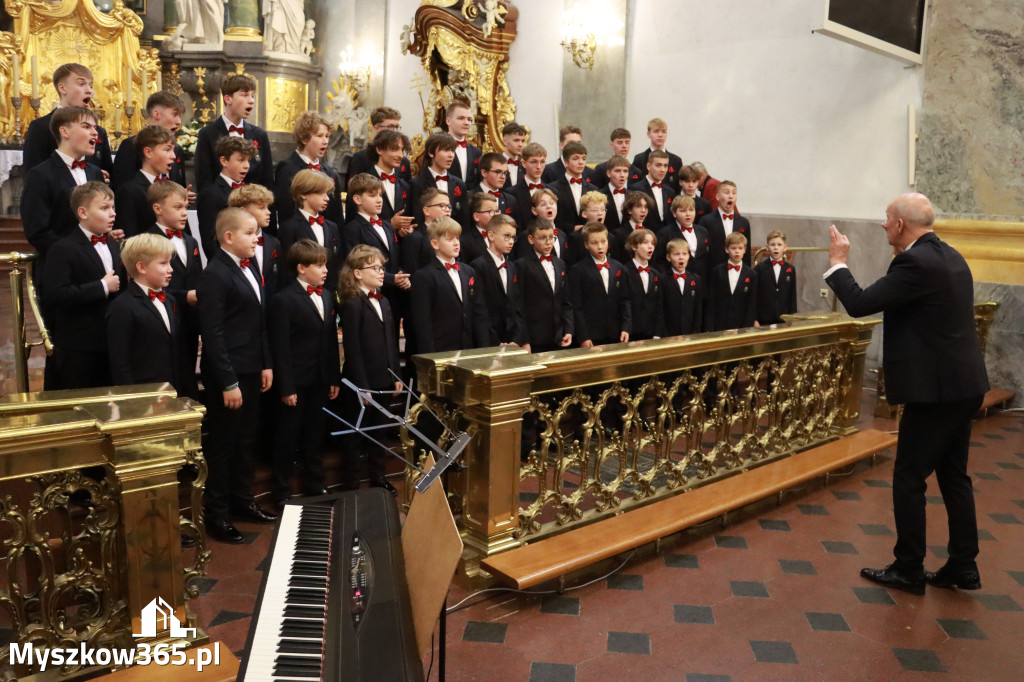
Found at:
[478, 249]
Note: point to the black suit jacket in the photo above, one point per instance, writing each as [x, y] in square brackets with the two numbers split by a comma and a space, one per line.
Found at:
[364, 161]
[416, 251]
[731, 310]
[40, 143]
[303, 345]
[524, 249]
[646, 308]
[359, 231]
[504, 309]
[73, 292]
[548, 312]
[46, 213]
[471, 245]
[699, 259]
[774, 299]
[600, 316]
[674, 164]
[712, 222]
[458, 195]
[371, 344]
[683, 307]
[402, 202]
[470, 175]
[285, 171]
[655, 221]
[506, 202]
[522, 211]
[134, 212]
[232, 323]
[930, 348]
[211, 200]
[273, 270]
[612, 216]
[568, 217]
[297, 227]
[701, 207]
[599, 174]
[185, 277]
[141, 348]
[261, 167]
[555, 172]
[127, 163]
[441, 321]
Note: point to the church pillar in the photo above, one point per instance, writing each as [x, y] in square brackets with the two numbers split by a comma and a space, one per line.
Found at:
[170, 16]
[243, 19]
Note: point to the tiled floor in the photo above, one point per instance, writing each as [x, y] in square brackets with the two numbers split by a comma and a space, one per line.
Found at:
[773, 595]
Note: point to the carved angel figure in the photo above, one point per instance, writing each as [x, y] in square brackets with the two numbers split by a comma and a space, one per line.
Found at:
[308, 34]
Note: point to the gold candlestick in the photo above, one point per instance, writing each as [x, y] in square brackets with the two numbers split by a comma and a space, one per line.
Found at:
[35, 102]
[16, 103]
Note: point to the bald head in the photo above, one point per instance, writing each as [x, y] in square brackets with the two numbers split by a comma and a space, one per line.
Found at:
[914, 209]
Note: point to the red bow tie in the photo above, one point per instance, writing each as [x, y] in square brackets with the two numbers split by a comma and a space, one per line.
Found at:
[575, 181]
[315, 166]
[643, 268]
[390, 178]
[483, 233]
[244, 263]
[727, 216]
[171, 234]
[605, 264]
[98, 239]
[236, 185]
[513, 162]
[676, 275]
[237, 129]
[259, 240]
[373, 221]
[314, 290]
[374, 295]
[78, 164]
[619, 191]
[316, 219]
[503, 265]
[161, 177]
[451, 266]
[776, 262]
[656, 185]
[545, 258]
[494, 193]
[462, 144]
[441, 178]
[688, 229]
[157, 295]
[531, 186]
[733, 267]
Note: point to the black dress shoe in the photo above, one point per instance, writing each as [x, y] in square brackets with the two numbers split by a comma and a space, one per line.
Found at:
[384, 483]
[890, 576]
[950, 577]
[223, 530]
[254, 514]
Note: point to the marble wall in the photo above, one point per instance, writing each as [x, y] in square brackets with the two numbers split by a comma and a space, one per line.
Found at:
[1004, 356]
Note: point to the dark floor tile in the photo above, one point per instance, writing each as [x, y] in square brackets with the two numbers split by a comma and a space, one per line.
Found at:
[876, 483]
[562, 606]
[1018, 576]
[773, 652]
[978, 444]
[812, 509]
[839, 547]
[699, 677]
[626, 581]
[1019, 503]
[875, 529]
[846, 495]
[1005, 519]
[748, 588]
[774, 524]
[873, 595]
[993, 436]
[985, 534]
[552, 672]
[832, 622]
[920, 660]
[939, 551]
[987, 476]
[479, 631]
[1012, 429]
[204, 585]
[731, 541]
[797, 567]
[961, 629]
[264, 564]
[226, 617]
[701, 615]
[682, 561]
[997, 602]
[933, 499]
[1010, 466]
[248, 536]
[629, 642]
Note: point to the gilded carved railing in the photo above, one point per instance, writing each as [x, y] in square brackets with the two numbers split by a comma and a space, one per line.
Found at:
[89, 516]
[569, 437]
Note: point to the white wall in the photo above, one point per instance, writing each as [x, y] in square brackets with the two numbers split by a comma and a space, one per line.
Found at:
[401, 68]
[805, 124]
[535, 69]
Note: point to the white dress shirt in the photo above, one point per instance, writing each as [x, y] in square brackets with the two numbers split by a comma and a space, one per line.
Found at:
[318, 301]
[158, 304]
[231, 183]
[379, 229]
[603, 271]
[440, 184]
[690, 236]
[461, 153]
[308, 161]
[248, 274]
[726, 222]
[513, 170]
[228, 123]
[178, 242]
[644, 276]
[389, 187]
[680, 281]
[453, 275]
[533, 182]
[577, 190]
[657, 196]
[259, 251]
[373, 302]
[104, 253]
[734, 275]
[617, 198]
[549, 270]
[77, 173]
[318, 229]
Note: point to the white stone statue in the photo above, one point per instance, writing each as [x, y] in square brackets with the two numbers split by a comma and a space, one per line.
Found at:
[308, 34]
[283, 23]
[203, 21]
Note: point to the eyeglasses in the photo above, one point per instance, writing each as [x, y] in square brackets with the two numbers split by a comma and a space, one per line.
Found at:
[395, 127]
[375, 268]
[490, 212]
[499, 171]
[506, 237]
[443, 207]
[544, 240]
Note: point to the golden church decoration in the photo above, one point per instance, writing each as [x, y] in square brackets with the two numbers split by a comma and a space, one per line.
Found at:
[463, 45]
[286, 100]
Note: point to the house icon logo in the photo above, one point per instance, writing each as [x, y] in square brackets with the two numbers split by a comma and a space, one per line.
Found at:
[158, 615]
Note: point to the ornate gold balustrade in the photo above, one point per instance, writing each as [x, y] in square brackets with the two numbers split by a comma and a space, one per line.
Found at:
[609, 428]
[85, 553]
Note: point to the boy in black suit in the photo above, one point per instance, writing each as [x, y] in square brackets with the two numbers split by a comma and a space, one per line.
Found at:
[311, 193]
[723, 221]
[371, 355]
[473, 242]
[270, 257]
[571, 186]
[545, 209]
[446, 314]
[593, 209]
[689, 182]
[618, 172]
[654, 185]
[234, 154]
[695, 236]
[79, 281]
[776, 282]
[307, 370]
[493, 170]
[382, 119]
[73, 83]
[534, 160]
[438, 154]
[466, 164]
[645, 287]
[555, 170]
[415, 246]
[635, 208]
[732, 291]
[684, 292]
[365, 226]
[545, 287]
[156, 149]
[312, 135]
[46, 213]
[600, 293]
[397, 208]
[514, 136]
[499, 285]
[657, 133]
[163, 109]
[236, 369]
[239, 95]
[145, 336]
[620, 142]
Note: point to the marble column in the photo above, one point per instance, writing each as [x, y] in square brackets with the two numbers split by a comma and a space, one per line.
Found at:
[170, 16]
[243, 19]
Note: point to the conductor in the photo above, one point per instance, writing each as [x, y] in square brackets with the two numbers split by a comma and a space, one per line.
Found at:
[934, 367]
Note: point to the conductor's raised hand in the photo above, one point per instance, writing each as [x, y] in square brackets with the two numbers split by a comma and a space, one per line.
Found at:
[838, 248]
